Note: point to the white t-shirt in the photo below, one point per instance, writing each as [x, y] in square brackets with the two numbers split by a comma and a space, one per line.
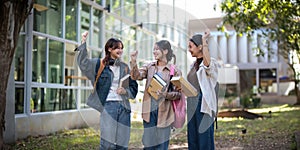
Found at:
[112, 95]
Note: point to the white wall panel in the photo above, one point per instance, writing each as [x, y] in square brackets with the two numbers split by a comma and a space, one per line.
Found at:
[213, 46]
[232, 48]
[223, 48]
[242, 50]
[252, 45]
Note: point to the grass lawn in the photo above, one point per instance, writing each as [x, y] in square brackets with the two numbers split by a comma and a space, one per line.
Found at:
[275, 132]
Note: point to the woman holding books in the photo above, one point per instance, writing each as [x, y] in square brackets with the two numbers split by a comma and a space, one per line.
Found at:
[202, 109]
[157, 111]
[108, 97]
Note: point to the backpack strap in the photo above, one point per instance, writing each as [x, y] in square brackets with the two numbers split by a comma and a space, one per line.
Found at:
[99, 72]
[172, 72]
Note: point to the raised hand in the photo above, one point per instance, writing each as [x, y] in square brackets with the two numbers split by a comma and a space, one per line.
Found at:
[84, 36]
[205, 50]
[133, 56]
[206, 35]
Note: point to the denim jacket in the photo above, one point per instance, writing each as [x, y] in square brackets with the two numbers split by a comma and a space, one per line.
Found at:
[97, 99]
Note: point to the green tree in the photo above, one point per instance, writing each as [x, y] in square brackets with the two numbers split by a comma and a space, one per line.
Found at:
[13, 16]
[279, 20]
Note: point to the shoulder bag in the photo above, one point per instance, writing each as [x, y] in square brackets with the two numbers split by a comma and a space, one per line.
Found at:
[179, 106]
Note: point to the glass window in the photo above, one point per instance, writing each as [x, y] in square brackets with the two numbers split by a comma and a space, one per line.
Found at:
[183, 40]
[151, 26]
[97, 18]
[177, 37]
[19, 59]
[128, 45]
[69, 63]
[99, 2]
[70, 55]
[38, 97]
[166, 12]
[128, 38]
[112, 25]
[96, 54]
[48, 17]
[84, 94]
[35, 100]
[181, 56]
[19, 100]
[162, 30]
[46, 99]
[266, 78]
[73, 76]
[115, 6]
[145, 44]
[129, 9]
[84, 82]
[39, 59]
[169, 32]
[85, 18]
[142, 12]
[56, 56]
[153, 16]
[71, 19]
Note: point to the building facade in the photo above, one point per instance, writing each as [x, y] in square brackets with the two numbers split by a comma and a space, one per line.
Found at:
[259, 67]
[47, 90]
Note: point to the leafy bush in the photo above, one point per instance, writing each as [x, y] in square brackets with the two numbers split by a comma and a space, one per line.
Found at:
[248, 101]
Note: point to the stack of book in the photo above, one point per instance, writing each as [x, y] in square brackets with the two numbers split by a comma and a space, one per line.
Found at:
[186, 87]
[156, 84]
[124, 81]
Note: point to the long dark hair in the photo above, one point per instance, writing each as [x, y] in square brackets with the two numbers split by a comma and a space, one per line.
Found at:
[165, 45]
[112, 43]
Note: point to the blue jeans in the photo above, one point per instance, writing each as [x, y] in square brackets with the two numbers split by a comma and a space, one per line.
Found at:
[155, 138]
[200, 126]
[114, 126]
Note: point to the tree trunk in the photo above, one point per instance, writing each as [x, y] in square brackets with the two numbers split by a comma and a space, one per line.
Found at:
[296, 86]
[297, 92]
[13, 16]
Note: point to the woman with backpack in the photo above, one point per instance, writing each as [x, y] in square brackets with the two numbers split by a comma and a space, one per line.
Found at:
[108, 98]
[157, 113]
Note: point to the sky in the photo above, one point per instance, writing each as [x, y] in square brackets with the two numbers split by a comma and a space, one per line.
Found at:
[198, 8]
[201, 8]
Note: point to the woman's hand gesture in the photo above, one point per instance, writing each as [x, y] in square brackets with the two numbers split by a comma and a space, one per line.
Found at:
[133, 56]
[84, 36]
[121, 91]
[205, 36]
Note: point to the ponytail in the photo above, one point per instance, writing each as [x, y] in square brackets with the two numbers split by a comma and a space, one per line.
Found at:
[174, 59]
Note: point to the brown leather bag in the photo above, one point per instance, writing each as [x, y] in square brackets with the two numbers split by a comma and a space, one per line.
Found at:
[98, 74]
